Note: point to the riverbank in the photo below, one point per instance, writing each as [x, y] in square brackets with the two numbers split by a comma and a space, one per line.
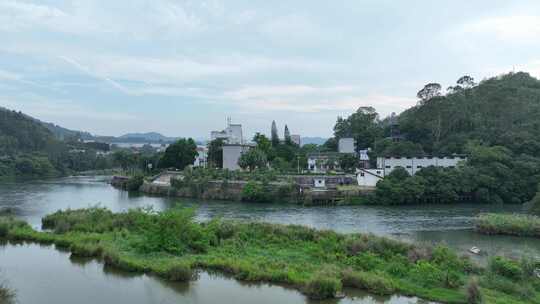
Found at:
[253, 191]
[319, 263]
[7, 296]
[508, 224]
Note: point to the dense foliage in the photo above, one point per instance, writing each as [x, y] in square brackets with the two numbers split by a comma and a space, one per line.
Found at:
[28, 149]
[252, 159]
[180, 154]
[509, 224]
[320, 263]
[495, 123]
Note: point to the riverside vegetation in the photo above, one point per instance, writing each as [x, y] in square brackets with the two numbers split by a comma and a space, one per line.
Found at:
[510, 224]
[7, 296]
[172, 245]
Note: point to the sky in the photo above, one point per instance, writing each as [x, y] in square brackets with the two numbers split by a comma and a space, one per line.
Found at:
[182, 67]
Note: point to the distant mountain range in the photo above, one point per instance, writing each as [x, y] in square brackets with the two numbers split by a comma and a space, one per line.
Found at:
[151, 136]
[313, 140]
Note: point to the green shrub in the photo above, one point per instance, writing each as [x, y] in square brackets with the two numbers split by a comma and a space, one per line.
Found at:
[86, 250]
[375, 244]
[323, 286]
[4, 229]
[505, 285]
[426, 274]
[511, 224]
[474, 295]
[506, 267]
[134, 182]
[7, 296]
[173, 231]
[255, 192]
[376, 283]
[179, 272]
[365, 261]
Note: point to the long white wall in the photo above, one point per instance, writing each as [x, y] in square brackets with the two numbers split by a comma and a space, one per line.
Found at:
[415, 164]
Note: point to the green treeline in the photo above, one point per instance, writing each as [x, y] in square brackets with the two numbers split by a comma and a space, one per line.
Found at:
[29, 150]
[171, 244]
[496, 123]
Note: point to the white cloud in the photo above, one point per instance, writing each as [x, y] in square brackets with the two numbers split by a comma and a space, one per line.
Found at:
[54, 109]
[7, 75]
[510, 29]
[531, 67]
[311, 99]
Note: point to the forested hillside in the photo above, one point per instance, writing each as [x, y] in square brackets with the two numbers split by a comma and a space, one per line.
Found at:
[28, 149]
[18, 134]
[501, 111]
[496, 123]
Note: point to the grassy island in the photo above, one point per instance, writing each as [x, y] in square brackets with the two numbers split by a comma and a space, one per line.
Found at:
[510, 224]
[319, 263]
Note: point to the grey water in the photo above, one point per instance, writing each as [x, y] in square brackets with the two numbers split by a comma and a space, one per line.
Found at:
[37, 272]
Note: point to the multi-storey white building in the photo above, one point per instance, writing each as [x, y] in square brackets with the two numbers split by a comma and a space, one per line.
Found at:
[231, 135]
[415, 164]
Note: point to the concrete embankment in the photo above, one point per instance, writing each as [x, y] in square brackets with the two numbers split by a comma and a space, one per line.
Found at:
[233, 191]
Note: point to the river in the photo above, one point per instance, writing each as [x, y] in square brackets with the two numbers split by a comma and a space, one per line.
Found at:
[27, 268]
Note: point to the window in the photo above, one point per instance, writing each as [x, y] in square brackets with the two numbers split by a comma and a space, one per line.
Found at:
[362, 174]
[419, 167]
[408, 167]
[378, 172]
[388, 167]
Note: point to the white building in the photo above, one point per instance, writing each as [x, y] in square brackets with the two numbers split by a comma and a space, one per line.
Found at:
[295, 138]
[415, 164]
[231, 155]
[369, 177]
[201, 160]
[346, 145]
[322, 162]
[231, 135]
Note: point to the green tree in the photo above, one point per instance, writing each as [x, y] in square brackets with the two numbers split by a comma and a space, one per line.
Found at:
[287, 136]
[363, 126]
[331, 144]
[215, 153]
[429, 91]
[348, 163]
[124, 159]
[274, 134]
[252, 159]
[263, 143]
[533, 206]
[180, 154]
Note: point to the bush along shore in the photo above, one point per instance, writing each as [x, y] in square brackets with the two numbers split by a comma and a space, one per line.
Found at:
[318, 263]
[7, 296]
[509, 224]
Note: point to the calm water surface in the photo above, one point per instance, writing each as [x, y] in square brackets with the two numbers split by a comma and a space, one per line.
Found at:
[42, 274]
[32, 200]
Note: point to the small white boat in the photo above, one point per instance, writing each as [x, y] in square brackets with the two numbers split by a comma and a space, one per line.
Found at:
[474, 250]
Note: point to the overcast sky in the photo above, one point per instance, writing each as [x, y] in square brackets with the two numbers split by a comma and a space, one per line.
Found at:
[181, 67]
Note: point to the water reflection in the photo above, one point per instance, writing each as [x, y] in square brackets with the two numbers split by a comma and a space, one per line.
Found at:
[432, 223]
[41, 273]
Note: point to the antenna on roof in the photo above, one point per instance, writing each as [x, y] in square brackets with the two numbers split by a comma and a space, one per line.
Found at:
[228, 121]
